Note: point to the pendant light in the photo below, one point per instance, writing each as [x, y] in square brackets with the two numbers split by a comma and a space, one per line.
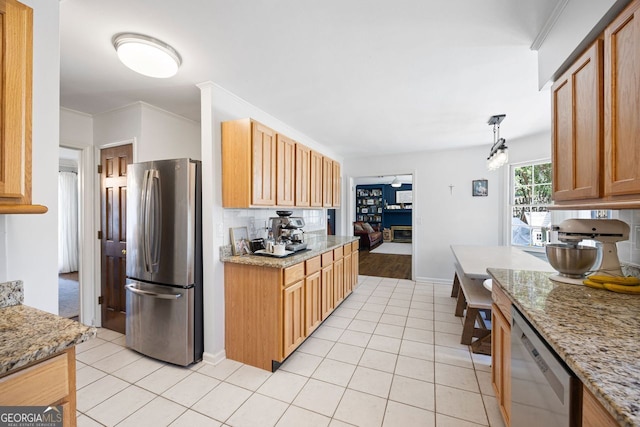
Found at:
[147, 55]
[396, 183]
[499, 153]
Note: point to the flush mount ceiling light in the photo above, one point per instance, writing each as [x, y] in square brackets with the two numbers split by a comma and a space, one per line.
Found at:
[396, 182]
[499, 154]
[146, 55]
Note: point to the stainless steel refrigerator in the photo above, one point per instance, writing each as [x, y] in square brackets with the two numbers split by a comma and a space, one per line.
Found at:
[164, 260]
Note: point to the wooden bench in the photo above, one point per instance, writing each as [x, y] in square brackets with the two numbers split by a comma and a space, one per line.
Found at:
[476, 299]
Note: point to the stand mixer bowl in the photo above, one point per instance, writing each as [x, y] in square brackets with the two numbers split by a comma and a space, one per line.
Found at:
[571, 260]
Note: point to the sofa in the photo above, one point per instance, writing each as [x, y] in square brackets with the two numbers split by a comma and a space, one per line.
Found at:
[370, 236]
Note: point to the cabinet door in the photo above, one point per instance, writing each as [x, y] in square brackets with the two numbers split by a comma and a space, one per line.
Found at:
[313, 305]
[294, 317]
[263, 145]
[337, 194]
[338, 281]
[577, 132]
[16, 37]
[316, 179]
[622, 103]
[327, 291]
[327, 182]
[303, 176]
[593, 413]
[355, 269]
[348, 274]
[285, 170]
[501, 361]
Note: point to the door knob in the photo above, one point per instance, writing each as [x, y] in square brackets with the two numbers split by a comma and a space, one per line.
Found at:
[124, 252]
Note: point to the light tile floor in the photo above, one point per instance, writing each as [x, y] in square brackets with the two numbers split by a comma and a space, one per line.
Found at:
[390, 355]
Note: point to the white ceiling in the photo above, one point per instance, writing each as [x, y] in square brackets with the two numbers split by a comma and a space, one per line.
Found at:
[369, 76]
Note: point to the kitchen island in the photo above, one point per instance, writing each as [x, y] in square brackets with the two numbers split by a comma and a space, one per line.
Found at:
[37, 355]
[273, 304]
[595, 332]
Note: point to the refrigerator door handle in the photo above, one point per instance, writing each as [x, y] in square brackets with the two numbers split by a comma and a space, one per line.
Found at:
[152, 219]
[137, 291]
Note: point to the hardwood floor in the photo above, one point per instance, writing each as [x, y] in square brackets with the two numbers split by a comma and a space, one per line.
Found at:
[385, 265]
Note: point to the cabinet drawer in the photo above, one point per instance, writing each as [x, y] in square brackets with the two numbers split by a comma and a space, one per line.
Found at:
[42, 384]
[327, 259]
[314, 264]
[346, 249]
[501, 300]
[337, 253]
[294, 273]
[355, 245]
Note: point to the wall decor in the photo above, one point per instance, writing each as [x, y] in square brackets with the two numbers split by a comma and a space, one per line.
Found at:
[404, 196]
[240, 240]
[480, 187]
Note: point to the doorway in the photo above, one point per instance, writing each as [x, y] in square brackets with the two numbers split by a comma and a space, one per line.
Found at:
[68, 234]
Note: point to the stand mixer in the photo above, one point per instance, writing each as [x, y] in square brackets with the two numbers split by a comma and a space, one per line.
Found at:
[288, 229]
[566, 258]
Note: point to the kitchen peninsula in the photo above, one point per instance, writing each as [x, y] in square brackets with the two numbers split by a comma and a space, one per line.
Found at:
[593, 331]
[37, 355]
[272, 304]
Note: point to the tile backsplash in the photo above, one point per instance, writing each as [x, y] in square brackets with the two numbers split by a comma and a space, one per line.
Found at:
[257, 220]
[629, 250]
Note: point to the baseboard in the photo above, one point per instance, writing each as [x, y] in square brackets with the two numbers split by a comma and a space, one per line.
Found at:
[433, 280]
[214, 358]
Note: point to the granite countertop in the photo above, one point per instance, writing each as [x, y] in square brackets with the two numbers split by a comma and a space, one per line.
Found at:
[28, 334]
[594, 331]
[315, 246]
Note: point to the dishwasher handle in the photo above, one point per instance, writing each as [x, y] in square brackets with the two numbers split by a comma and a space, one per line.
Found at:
[137, 291]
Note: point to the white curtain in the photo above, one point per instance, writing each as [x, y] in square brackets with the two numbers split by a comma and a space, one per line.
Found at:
[67, 222]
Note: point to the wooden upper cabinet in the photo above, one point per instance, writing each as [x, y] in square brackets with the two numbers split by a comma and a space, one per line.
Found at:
[336, 184]
[16, 62]
[248, 164]
[285, 171]
[622, 103]
[327, 182]
[577, 132]
[316, 179]
[303, 176]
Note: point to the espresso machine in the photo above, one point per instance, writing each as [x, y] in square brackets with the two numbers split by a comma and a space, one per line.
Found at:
[288, 229]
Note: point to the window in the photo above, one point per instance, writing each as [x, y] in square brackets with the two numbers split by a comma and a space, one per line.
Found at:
[530, 198]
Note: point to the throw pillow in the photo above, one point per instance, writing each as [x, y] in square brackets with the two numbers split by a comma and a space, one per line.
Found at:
[358, 226]
[367, 227]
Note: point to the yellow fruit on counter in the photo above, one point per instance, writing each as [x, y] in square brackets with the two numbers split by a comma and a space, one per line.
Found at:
[617, 280]
[592, 284]
[624, 289]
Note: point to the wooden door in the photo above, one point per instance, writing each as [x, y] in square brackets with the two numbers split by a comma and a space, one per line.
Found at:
[113, 224]
[16, 62]
[294, 319]
[348, 274]
[263, 144]
[303, 176]
[327, 182]
[577, 131]
[501, 361]
[622, 103]
[285, 170]
[313, 305]
[335, 187]
[316, 179]
[355, 269]
[338, 282]
[326, 283]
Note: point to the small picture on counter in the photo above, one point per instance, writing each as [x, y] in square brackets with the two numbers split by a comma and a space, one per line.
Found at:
[480, 187]
[240, 241]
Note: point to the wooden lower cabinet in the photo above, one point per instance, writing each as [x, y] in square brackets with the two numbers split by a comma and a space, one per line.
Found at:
[348, 274]
[593, 413]
[501, 361]
[270, 311]
[51, 382]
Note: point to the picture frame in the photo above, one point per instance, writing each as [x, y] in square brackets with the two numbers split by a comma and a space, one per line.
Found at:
[240, 240]
[404, 196]
[480, 188]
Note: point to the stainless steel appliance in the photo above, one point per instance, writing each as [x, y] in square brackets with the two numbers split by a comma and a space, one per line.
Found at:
[164, 260]
[543, 391]
[288, 229]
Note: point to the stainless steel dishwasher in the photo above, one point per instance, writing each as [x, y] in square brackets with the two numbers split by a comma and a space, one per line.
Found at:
[543, 390]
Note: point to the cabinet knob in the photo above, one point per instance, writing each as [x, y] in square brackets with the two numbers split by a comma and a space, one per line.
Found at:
[124, 252]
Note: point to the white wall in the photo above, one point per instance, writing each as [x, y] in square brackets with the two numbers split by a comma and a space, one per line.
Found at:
[165, 135]
[76, 128]
[445, 216]
[31, 241]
